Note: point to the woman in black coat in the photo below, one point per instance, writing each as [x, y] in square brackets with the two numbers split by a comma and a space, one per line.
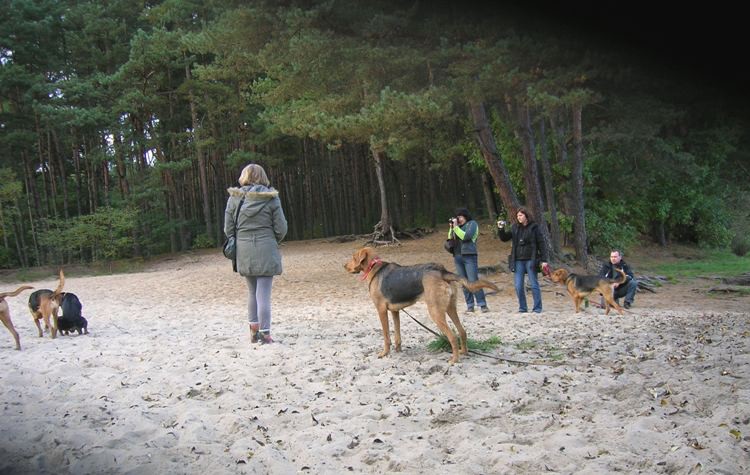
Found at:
[528, 251]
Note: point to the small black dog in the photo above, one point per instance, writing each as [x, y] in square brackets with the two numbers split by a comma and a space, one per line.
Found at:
[71, 319]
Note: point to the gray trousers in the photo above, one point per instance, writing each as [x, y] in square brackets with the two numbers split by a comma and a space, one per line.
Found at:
[259, 302]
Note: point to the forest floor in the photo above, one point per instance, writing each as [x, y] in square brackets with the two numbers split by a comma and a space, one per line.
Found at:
[168, 382]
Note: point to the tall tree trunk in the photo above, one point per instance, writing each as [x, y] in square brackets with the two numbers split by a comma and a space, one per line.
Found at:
[31, 206]
[74, 149]
[51, 169]
[659, 232]
[62, 173]
[384, 229]
[433, 199]
[23, 255]
[549, 189]
[42, 165]
[531, 171]
[580, 239]
[206, 200]
[120, 168]
[488, 147]
[558, 124]
[489, 197]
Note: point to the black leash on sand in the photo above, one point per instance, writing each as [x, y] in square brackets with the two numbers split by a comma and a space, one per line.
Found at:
[508, 360]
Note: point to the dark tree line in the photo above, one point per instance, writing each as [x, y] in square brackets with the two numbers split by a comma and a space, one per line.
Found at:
[123, 122]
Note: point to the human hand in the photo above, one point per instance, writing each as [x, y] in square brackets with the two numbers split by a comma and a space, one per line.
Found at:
[546, 269]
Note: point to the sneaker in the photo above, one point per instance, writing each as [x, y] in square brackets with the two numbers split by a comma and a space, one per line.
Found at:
[485, 309]
[627, 304]
[470, 310]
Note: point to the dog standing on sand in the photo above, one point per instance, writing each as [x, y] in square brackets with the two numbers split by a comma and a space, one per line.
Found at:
[581, 286]
[394, 287]
[5, 312]
[43, 304]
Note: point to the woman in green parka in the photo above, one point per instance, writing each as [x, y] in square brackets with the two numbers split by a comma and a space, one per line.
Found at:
[261, 226]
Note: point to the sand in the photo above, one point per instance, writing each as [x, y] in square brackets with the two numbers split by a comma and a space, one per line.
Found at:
[168, 382]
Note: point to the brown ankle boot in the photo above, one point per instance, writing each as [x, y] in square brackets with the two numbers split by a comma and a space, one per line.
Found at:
[254, 333]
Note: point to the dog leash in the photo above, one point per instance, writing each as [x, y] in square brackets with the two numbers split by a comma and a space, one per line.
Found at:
[507, 360]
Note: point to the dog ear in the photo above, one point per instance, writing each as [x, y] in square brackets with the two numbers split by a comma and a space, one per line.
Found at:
[363, 255]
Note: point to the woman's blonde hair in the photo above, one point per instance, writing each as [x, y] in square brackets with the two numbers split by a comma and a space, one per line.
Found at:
[253, 174]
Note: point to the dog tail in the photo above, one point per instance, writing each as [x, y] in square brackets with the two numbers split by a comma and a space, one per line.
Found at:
[470, 286]
[479, 284]
[59, 288]
[15, 292]
[624, 277]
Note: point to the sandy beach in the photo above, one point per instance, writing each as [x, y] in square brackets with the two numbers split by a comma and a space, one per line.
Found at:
[167, 381]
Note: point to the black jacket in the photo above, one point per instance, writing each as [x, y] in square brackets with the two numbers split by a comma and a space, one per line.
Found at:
[608, 270]
[533, 247]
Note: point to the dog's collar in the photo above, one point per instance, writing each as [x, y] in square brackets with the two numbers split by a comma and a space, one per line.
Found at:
[373, 262]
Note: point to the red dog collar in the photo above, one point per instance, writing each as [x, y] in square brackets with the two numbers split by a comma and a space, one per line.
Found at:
[375, 260]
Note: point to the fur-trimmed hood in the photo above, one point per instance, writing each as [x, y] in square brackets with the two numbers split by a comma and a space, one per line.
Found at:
[253, 193]
[256, 197]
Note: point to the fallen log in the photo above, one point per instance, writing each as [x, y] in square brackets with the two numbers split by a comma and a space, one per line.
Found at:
[742, 279]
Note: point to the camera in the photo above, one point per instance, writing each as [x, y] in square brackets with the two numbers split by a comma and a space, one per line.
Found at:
[501, 223]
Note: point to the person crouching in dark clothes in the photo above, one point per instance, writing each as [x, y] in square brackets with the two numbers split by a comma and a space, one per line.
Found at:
[627, 289]
[528, 250]
[466, 232]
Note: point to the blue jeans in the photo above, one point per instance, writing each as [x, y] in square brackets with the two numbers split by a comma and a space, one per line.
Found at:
[467, 267]
[527, 267]
[627, 290]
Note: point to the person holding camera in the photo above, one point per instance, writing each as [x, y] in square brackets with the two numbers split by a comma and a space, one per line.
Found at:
[528, 250]
[466, 231]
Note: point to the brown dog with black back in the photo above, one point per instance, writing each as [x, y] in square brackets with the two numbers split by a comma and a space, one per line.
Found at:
[43, 304]
[581, 286]
[394, 287]
[5, 312]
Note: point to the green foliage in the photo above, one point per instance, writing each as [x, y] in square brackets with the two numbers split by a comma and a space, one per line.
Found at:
[106, 234]
[740, 246]
[709, 223]
[713, 262]
[441, 343]
[7, 259]
[203, 241]
[509, 148]
[608, 226]
[566, 222]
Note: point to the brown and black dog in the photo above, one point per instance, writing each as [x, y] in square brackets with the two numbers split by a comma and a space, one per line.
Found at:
[5, 312]
[44, 303]
[581, 286]
[394, 287]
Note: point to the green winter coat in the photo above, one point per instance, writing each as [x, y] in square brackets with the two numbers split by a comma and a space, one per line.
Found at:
[261, 226]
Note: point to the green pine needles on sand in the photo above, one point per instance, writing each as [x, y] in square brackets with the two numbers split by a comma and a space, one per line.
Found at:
[442, 344]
